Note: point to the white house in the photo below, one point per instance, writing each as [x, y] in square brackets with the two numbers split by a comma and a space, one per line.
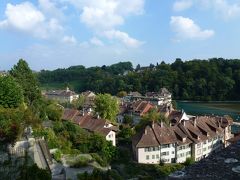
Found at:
[62, 95]
[196, 137]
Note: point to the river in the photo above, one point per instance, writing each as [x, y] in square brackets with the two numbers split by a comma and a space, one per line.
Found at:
[212, 108]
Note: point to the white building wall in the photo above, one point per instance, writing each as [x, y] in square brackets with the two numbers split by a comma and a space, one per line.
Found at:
[168, 153]
[148, 157]
[111, 137]
[183, 152]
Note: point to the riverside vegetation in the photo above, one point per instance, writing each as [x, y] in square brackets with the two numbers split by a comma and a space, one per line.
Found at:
[213, 79]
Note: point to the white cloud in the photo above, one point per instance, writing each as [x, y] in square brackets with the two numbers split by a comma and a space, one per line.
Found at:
[69, 40]
[222, 8]
[182, 5]
[99, 18]
[97, 42]
[123, 37]
[25, 17]
[186, 28]
[50, 8]
[104, 15]
[225, 9]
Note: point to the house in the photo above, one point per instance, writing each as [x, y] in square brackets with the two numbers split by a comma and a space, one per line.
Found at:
[160, 98]
[63, 96]
[92, 124]
[196, 137]
[89, 98]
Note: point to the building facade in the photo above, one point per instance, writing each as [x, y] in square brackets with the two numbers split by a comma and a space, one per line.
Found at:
[196, 137]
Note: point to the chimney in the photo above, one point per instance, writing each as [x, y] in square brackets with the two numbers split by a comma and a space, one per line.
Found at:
[83, 113]
[153, 124]
[183, 122]
[67, 89]
[145, 131]
[161, 124]
[195, 122]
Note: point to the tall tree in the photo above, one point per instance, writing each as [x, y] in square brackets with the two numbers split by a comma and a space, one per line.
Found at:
[25, 77]
[11, 94]
[106, 106]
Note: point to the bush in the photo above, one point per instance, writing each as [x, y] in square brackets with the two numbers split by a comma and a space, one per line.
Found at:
[103, 162]
[189, 161]
[167, 169]
[57, 155]
[79, 161]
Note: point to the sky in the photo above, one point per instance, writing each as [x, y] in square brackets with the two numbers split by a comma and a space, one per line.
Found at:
[51, 34]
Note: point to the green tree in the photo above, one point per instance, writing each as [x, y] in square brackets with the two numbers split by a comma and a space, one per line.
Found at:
[79, 102]
[27, 80]
[121, 94]
[54, 112]
[11, 127]
[152, 116]
[11, 94]
[106, 106]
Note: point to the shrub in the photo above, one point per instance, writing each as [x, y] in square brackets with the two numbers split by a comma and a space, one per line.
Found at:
[57, 155]
[103, 162]
[189, 161]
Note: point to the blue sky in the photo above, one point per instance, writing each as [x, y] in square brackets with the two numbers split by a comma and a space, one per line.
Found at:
[52, 34]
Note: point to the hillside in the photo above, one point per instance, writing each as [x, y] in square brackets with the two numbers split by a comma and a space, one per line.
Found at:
[213, 79]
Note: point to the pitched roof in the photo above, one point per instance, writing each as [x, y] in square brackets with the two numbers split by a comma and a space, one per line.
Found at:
[184, 132]
[69, 114]
[142, 107]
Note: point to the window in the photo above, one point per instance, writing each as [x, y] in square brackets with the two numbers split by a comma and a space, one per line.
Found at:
[153, 156]
[205, 142]
[173, 152]
[157, 156]
[198, 145]
[146, 149]
[209, 140]
[165, 145]
[147, 157]
[164, 153]
[204, 149]
[198, 151]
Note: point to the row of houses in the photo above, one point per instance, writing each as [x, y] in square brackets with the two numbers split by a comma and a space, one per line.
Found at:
[156, 98]
[195, 137]
[92, 124]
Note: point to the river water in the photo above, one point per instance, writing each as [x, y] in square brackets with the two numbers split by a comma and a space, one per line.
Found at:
[212, 108]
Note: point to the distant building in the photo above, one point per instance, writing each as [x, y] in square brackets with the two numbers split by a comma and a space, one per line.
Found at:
[195, 137]
[157, 98]
[89, 98]
[63, 96]
[92, 124]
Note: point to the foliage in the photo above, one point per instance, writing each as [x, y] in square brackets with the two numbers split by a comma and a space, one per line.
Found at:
[122, 94]
[57, 155]
[213, 79]
[78, 161]
[102, 162]
[127, 119]
[10, 124]
[149, 118]
[167, 169]
[100, 175]
[106, 106]
[189, 161]
[11, 95]
[54, 112]
[79, 102]
[126, 133]
[33, 172]
[27, 80]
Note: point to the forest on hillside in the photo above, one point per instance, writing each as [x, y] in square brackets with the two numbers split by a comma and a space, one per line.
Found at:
[212, 79]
